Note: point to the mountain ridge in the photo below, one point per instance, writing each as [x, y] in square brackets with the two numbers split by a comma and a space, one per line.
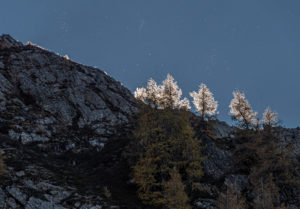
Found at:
[64, 127]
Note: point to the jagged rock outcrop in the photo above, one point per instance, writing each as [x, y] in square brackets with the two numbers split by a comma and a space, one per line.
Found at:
[42, 93]
[53, 111]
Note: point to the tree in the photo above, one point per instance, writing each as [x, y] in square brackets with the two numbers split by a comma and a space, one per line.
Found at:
[167, 95]
[241, 110]
[164, 139]
[231, 198]
[140, 94]
[175, 196]
[204, 101]
[269, 117]
[2, 167]
[149, 95]
[171, 94]
[170, 91]
[267, 193]
[271, 166]
[184, 104]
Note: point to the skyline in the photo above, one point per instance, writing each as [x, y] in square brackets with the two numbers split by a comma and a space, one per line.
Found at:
[234, 45]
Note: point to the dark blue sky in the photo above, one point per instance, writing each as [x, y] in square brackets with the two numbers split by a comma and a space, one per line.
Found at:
[252, 45]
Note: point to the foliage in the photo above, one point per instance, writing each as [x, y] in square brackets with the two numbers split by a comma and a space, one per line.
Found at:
[149, 95]
[231, 198]
[2, 167]
[164, 140]
[241, 110]
[204, 101]
[175, 196]
[267, 193]
[167, 95]
[107, 193]
[269, 117]
[272, 167]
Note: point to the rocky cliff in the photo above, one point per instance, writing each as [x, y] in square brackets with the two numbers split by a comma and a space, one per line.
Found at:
[50, 106]
[41, 92]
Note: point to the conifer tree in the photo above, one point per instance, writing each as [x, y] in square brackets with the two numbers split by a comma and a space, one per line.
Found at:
[269, 117]
[2, 167]
[171, 95]
[272, 167]
[170, 92]
[231, 198]
[149, 95]
[140, 94]
[204, 101]
[165, 139]
[267, 193]
[183, 104]
[167, 95]
[241, 110]
[175, 196]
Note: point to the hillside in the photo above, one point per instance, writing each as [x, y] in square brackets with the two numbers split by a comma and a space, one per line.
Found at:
[64, 127]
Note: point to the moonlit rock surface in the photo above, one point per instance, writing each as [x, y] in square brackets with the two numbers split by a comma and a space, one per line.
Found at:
[50, 86]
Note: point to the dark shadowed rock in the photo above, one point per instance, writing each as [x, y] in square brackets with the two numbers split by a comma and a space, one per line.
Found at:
[218, 162]
[53, 114]
[6, 41]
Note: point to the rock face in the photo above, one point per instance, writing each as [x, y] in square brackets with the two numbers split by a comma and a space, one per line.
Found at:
[41, 92]
[53, 112]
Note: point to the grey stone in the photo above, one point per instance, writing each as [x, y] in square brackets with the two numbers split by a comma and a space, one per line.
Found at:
[97, 143]
[2, 199]
[17, 194]
[47, 187]
[35, 203]
[205, 204]
[218, 162]
[222, 130]
[57, 196]
[77, 204]
[70, 93]
[20, 173]
[70, 146]
[30, 184]
[11, 203]
[86, 206]
[28, 138]
[6, 41]
[96, 207]
[14, 135]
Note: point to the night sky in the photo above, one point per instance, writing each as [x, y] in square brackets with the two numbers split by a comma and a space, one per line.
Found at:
[252, 45]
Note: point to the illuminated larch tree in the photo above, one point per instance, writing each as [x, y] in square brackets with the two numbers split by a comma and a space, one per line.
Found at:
[167, 95]
[204, 101]
[241, 110]
[269, 117]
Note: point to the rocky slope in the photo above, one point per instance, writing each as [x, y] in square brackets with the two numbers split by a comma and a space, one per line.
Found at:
[41, 92]
[64, 126]
[50, 106]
